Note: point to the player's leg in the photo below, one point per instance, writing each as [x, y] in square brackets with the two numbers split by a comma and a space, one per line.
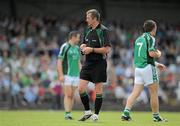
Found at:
[98, 100]
[73, 93]
[84, 99]
[152, 82]
[68, 97]
[153, 91]
[74, 88]
[131, 100]
[138, 87]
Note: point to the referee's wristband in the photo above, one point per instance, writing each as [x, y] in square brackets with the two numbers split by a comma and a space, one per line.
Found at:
[92, 50]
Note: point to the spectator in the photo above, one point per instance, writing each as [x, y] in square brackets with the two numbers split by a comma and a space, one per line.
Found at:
[56, 92]
[15, 92]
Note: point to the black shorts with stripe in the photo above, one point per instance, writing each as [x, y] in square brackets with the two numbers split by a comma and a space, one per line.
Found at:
[94, 71]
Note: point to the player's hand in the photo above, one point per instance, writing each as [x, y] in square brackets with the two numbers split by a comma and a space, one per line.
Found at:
[159, 53]
[61, 78]
[161, 67]
[87, 50]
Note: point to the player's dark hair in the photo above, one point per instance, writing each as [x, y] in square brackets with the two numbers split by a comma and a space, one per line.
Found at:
[149, 25]
[73, 34]
[94, 14]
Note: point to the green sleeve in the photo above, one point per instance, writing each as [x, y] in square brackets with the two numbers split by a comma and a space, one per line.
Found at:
[151, 44]
[61, 54]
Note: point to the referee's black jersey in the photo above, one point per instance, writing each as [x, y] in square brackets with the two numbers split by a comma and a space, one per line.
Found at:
[96, 38]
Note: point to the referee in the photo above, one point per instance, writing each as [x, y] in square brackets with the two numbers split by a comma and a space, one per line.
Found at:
[95, 47]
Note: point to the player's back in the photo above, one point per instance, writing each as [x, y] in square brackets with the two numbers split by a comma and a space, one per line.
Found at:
[141, 55]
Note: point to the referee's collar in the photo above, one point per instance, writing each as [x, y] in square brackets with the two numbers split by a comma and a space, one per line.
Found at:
[98, 26]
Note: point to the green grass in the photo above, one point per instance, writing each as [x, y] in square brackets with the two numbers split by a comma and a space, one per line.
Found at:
[107, 118]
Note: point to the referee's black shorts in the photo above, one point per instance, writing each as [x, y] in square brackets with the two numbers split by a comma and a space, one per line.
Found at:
[94, 71]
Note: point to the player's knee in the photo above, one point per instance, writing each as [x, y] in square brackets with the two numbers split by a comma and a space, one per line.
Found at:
[153, 94]
[69, 96]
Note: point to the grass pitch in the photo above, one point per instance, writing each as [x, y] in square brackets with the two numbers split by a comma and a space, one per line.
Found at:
[106, 118]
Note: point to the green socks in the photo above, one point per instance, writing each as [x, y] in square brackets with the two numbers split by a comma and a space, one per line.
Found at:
[126, 112]
[67, 114]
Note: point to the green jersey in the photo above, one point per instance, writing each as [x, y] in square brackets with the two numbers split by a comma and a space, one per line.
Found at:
[143, 45]
[70, 56]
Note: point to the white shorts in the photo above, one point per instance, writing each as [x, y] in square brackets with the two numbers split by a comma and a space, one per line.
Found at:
[71, 81]
[146, 76]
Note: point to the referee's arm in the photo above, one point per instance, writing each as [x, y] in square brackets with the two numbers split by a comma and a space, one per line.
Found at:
[102, 50]
[106, 48]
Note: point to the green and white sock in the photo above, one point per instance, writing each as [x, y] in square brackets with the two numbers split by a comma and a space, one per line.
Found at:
[67, 114]
[126, 112]
[156, 115]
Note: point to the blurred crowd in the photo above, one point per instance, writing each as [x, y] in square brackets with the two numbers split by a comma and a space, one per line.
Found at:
[29, 47]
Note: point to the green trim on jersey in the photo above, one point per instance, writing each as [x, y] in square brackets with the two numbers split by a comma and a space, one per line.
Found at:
[100, 36]
[70, 57]
[154, 73]
[63, 56]
[143, 45]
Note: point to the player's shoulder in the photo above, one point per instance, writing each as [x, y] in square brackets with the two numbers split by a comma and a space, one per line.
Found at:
[148, 36]
[140, 38]
[64, 45]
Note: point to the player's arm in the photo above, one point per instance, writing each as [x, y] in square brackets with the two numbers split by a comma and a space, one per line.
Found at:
[79, 63]
[59, 63]
[155, 53]
[160, 66]
[60, 70]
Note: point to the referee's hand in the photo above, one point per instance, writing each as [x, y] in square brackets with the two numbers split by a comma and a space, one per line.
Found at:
[87, 50]
[82, 46]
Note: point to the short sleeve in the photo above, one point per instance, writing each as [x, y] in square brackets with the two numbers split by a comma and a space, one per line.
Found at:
[106, 38]
[83, 38]
[151, 44]
[62, 51]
